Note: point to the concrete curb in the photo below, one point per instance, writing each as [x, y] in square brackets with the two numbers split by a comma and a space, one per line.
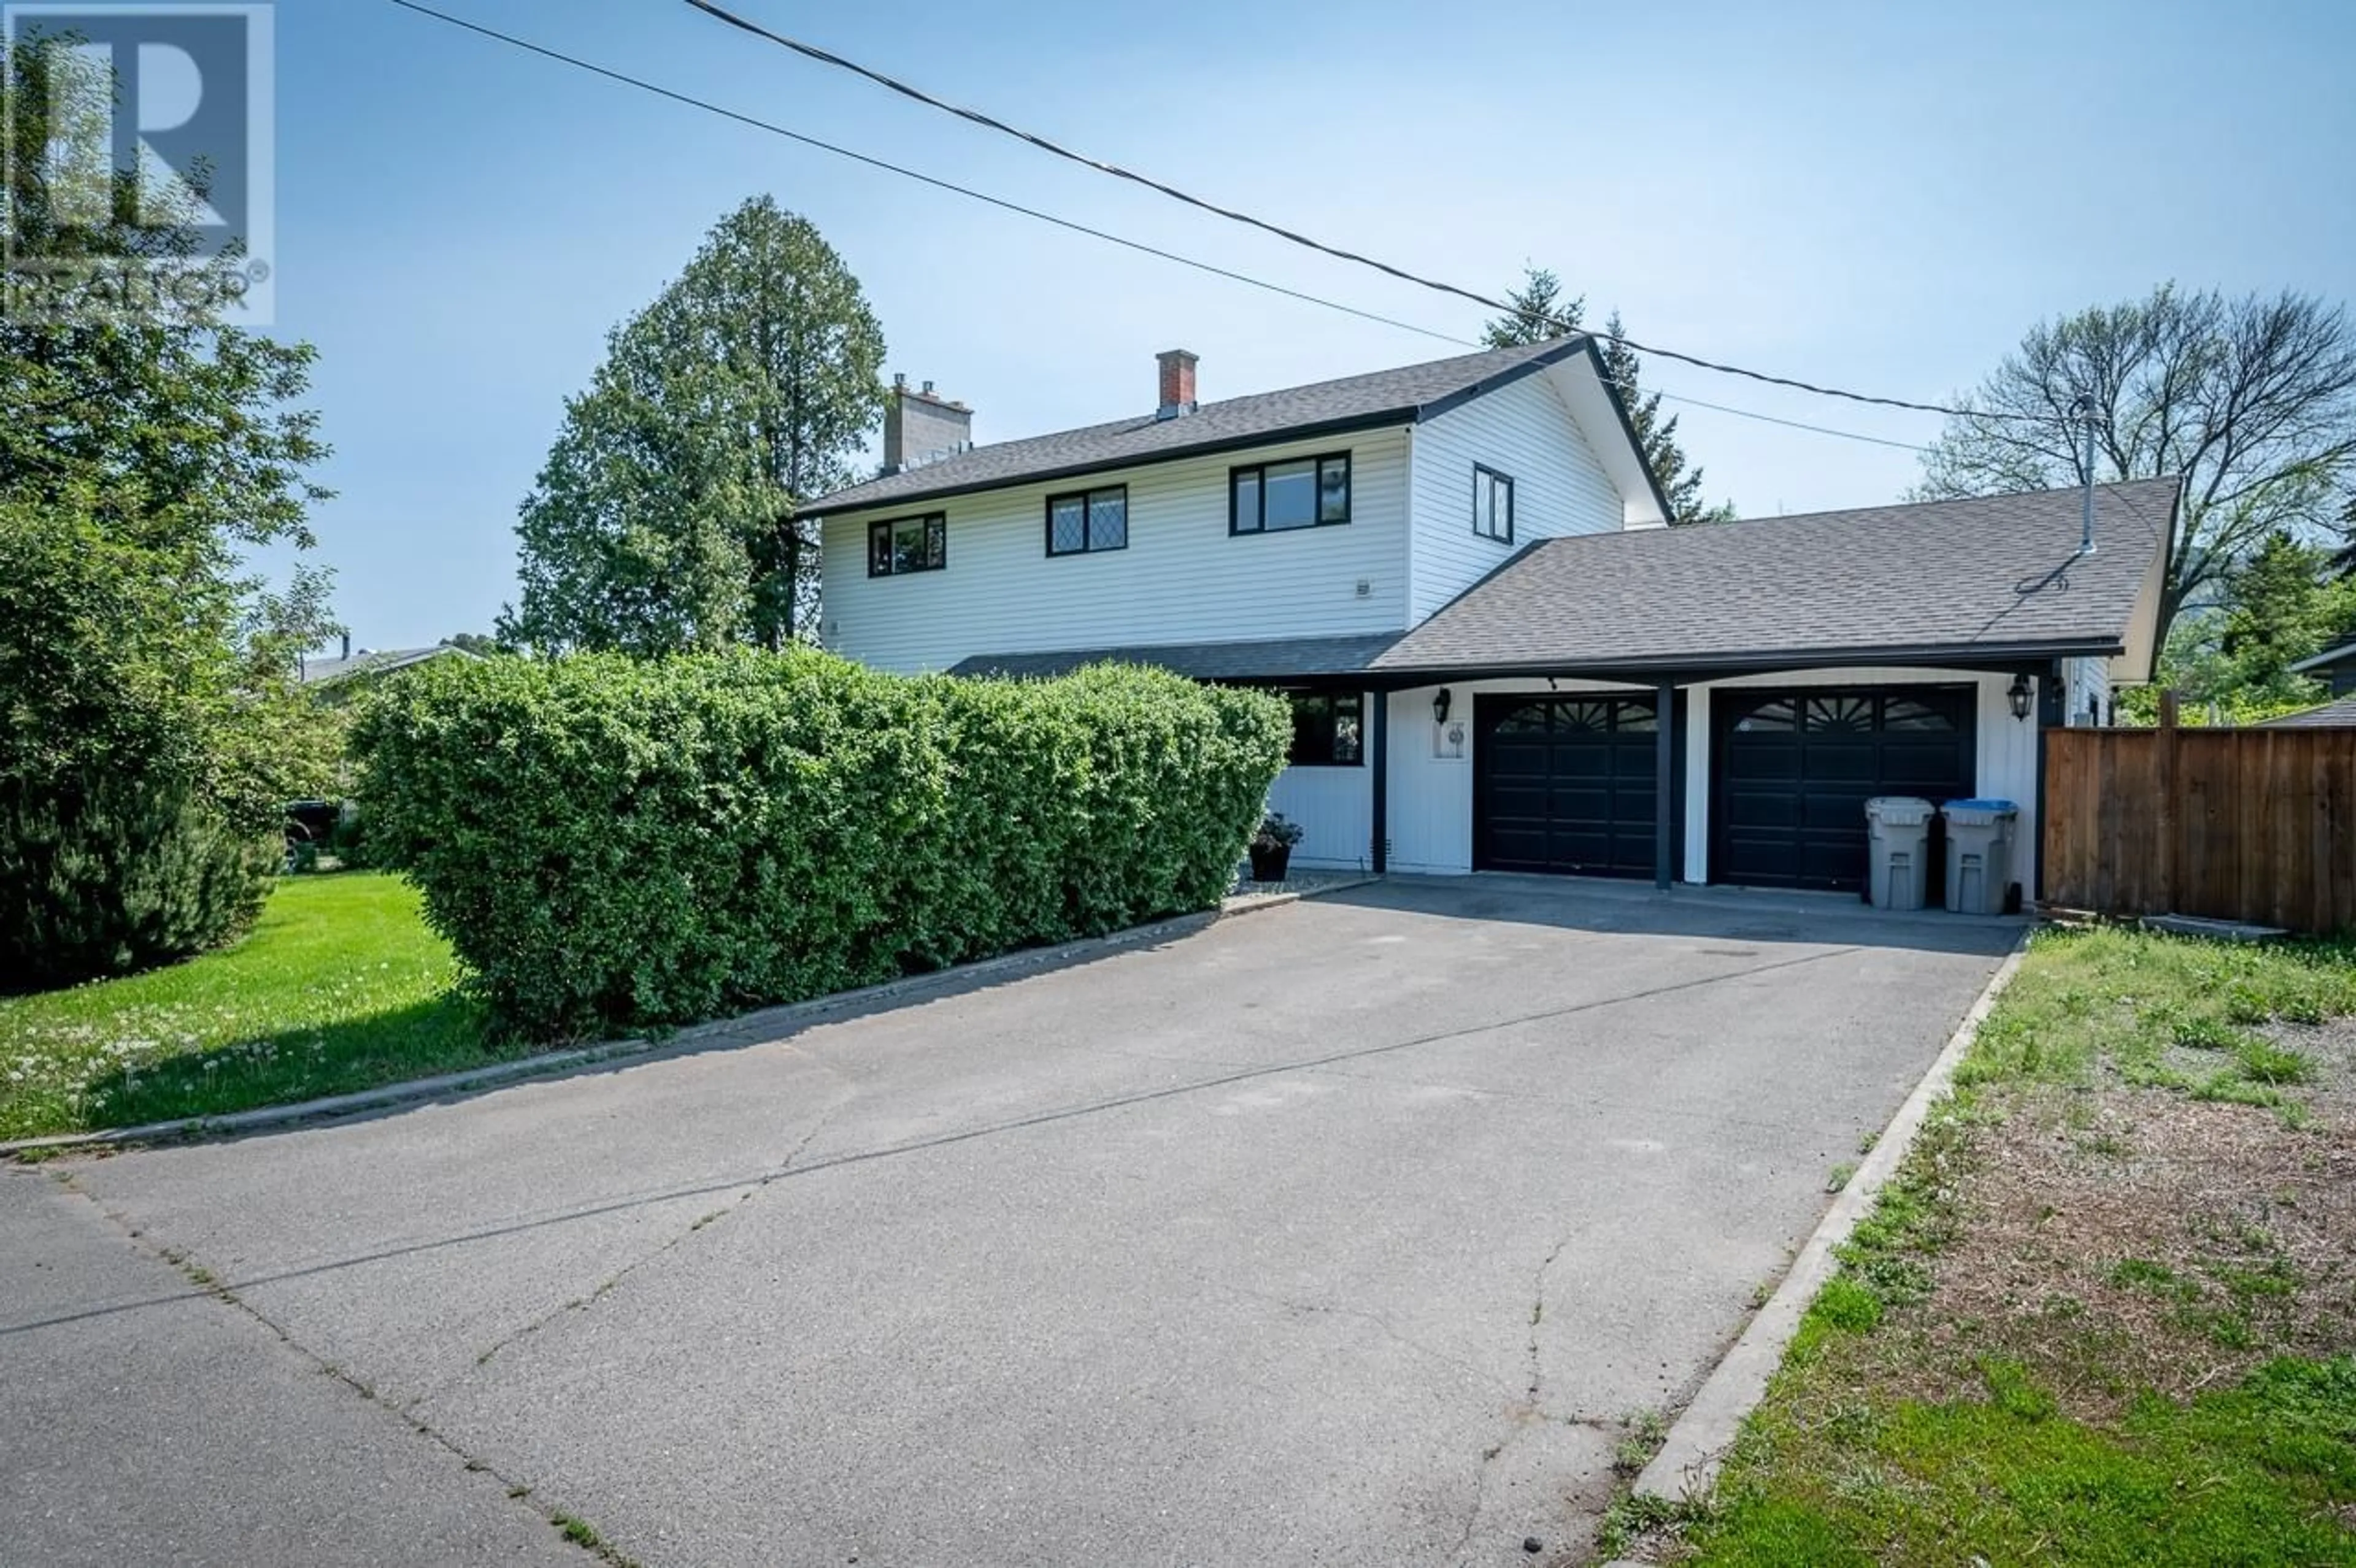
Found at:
[1686, 1466]
[748, 1028]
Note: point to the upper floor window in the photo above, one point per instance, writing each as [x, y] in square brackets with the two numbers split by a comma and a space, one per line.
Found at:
[1308, 493]
[907, 544]
[1088, 520]
[1492, 504]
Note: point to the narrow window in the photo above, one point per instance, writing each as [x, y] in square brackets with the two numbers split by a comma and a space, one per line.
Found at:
[1492, 504]
[1275, 497]
[1328, 729]
[907, 544]
[1088, 520]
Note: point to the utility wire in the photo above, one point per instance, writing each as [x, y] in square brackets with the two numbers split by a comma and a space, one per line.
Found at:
[976, 116]
[1077, 228]
[875, 163]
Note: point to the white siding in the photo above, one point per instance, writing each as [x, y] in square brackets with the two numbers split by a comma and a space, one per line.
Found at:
[2089, 683]
[1523, 430]
[1431, 801]
[1335, 808]
[1182, 578]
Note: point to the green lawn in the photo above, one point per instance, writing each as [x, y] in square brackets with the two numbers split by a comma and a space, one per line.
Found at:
[340, 986]
[2101, 1314]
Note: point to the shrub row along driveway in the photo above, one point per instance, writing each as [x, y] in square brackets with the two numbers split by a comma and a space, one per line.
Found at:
[1347, 1232]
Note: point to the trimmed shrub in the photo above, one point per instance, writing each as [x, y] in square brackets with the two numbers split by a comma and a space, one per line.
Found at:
[615, 844]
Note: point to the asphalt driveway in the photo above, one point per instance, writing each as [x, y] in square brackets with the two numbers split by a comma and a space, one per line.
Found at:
[1341, 1232]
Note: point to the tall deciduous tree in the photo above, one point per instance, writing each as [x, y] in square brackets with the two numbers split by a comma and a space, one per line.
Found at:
[1537, 311]
[663, 518]
[2251, 399]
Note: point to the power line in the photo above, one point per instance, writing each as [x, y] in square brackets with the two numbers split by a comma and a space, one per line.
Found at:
[1077, 228]
[871, 162]
[1775, 419]
[976, 116]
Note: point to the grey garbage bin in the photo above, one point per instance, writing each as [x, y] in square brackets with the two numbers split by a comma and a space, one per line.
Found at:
[1898, 841]
[1979, 854]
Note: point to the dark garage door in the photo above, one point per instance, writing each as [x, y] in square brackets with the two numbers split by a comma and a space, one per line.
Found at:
[1793, 770]
[1565, 783]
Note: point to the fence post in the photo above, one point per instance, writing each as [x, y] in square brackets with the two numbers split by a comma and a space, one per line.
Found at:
[2164, 829]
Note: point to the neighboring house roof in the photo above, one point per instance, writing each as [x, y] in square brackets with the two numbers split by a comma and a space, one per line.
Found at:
[2327, 657]
[2330, 716]
[381, 661]
[1408, 395]
[1977, 581]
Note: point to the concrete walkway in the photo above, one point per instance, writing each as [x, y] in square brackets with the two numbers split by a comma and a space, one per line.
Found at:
[1345, 1231]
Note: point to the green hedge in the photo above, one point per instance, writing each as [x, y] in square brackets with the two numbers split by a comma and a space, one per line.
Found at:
[614, 844]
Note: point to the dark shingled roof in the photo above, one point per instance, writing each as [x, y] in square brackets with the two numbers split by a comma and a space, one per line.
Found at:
[1980, 578]
[1936, 582]
[2337, 715]
[1409, 393]
[1284, 658]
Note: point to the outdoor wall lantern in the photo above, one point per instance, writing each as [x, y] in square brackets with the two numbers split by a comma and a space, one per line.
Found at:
[2020, 694]
[1440, 707]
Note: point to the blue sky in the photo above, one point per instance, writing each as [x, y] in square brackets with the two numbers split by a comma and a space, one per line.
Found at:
[1875, 195]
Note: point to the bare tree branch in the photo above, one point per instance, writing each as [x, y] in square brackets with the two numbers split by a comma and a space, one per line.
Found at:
[2252, 401]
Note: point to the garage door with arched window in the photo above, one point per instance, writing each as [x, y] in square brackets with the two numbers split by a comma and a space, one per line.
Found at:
[1566, 783]
[1792, 772]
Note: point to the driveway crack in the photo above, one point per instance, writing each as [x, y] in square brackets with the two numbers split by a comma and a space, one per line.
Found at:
[785, 1167]
[567, 1525]
[1538, 1313]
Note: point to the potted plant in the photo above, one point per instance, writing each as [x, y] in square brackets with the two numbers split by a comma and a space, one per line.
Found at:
[1271, 847]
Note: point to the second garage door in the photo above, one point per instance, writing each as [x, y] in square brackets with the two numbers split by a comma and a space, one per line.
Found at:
[1792, 770]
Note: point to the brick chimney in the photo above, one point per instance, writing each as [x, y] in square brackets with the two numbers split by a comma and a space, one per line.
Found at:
[920, 426]
[1177, 383]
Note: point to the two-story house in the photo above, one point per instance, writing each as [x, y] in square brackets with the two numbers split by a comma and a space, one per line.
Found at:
[1498, 654]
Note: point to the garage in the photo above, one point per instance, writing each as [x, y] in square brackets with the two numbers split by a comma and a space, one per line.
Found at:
[1565, 782]
[1792, 772]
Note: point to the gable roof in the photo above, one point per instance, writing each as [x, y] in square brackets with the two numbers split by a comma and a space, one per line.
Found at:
[382, 661]
[2330, 716]
[1408, 395]
[1983, 578]
[1985, 581]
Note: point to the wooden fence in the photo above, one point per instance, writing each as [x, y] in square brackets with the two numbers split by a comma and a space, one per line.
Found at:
[2248, 824]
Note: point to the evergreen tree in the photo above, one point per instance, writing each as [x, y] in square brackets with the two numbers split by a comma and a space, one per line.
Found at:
[1657, 436]
[1539, 311]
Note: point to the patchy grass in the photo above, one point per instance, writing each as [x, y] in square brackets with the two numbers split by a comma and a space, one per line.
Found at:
[2102, 1313]
[339, 987]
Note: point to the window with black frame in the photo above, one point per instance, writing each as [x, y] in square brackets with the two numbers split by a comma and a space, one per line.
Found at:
[1087, 521]
[1274, 497]
[1492, 504]
[903, 545]
[1328, 729]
